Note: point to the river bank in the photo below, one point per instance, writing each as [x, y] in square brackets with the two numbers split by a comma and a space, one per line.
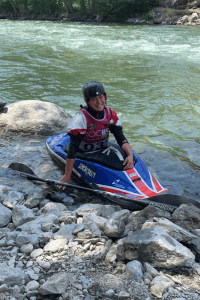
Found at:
[158, 16]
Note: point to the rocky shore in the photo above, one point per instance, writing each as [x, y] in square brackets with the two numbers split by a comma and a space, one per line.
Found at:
[73, 246]
[189, 16]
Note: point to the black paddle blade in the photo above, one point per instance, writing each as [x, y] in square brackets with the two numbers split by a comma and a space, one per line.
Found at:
[21, 168]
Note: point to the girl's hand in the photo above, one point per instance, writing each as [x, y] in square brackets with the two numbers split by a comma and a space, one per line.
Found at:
[128, 162]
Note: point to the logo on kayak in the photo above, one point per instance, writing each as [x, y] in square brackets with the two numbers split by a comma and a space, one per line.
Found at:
[117, 184]
[87, 171]
[132, 174]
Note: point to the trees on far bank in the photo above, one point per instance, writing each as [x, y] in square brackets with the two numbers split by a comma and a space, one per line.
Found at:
[110, 9]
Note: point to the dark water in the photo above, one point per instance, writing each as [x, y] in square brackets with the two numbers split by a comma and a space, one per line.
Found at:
[151, 75]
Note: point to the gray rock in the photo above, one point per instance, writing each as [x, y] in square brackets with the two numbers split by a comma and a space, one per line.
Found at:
[138, 290]
[156, 247]
[123, 295]
[175, 231]
[44, 237]
[106, 211]
[151, 270]
[88, 209]
[134, 269]
[33, 117]
[32, 285]
[22, 238]
[93, 228]
[187, 216]
[99, 221]
[21, 215]
[193, 17]
[5, 215]
[10, 197]
[10, 275]
[55, 208]
[56, 284]
[37, 252]
[148, 213]
[35, 197]
[43, 264]
[114, 228]
[35, 226]
[26, 248]
[160, 284]
[55, 245]
[111, 256]
[85, 234]
[66, 231]
[68, 217]
[110, 293]
[121, 215]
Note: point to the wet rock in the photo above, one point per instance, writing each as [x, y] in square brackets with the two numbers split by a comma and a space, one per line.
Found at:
[21, 215]
[166, 251]
[33, 117]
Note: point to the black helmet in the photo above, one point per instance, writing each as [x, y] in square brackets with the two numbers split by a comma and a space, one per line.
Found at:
[92, 89]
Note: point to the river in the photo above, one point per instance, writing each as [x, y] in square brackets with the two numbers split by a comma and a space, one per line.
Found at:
[151, 75]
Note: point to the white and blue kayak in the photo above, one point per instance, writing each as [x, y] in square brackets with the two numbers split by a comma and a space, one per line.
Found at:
[103, 169]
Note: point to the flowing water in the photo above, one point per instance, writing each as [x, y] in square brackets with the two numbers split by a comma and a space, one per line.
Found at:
[151, 75]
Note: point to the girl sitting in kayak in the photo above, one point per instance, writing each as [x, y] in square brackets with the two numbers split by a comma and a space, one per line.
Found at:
[89, 128]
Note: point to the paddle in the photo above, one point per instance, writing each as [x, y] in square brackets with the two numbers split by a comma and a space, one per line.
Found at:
[159, 201]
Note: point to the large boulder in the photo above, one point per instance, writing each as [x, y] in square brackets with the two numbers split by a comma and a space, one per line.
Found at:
[156, 247]
[33, 117]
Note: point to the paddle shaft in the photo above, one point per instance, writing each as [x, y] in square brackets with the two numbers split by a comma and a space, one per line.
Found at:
[145, 202]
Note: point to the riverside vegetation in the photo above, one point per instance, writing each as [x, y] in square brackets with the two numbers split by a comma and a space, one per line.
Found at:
[72, 246]
[138, 12]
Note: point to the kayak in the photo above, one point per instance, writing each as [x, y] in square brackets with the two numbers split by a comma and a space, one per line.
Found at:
[103, 170]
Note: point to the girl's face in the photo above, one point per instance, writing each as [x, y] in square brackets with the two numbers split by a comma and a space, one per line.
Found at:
[97, 103]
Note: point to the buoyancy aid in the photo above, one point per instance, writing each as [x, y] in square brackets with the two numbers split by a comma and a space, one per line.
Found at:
[97, 132]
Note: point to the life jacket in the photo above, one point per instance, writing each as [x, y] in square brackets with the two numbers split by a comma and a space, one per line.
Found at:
[97, 133]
